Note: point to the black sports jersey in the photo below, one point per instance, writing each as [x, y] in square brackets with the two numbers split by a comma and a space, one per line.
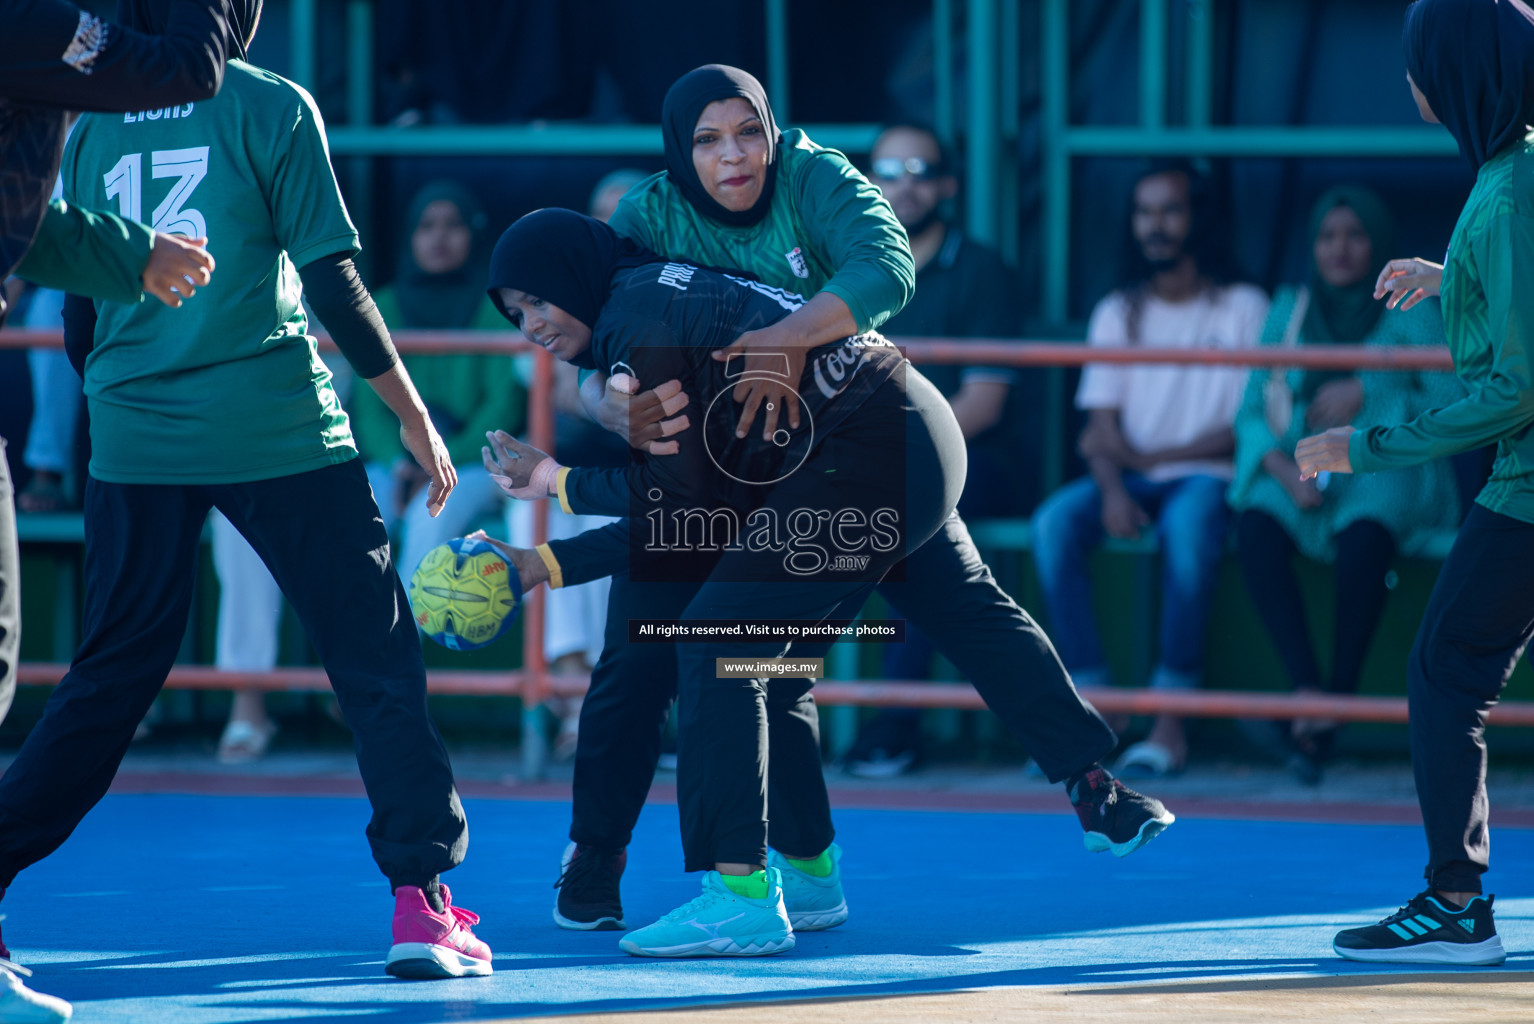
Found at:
[663, 321]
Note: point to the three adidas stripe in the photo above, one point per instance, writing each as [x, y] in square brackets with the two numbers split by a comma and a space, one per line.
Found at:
[1416, 924]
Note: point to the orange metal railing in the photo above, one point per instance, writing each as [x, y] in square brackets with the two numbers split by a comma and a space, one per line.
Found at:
[534, 684]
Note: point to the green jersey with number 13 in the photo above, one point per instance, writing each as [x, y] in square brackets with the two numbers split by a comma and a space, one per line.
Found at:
[230, 387]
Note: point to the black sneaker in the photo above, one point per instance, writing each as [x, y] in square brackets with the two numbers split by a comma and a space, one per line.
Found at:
[1116, 818]
[888, 746]
[588, 890]
[1427, 931]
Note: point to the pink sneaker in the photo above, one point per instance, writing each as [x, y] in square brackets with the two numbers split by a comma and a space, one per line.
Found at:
[432, 945]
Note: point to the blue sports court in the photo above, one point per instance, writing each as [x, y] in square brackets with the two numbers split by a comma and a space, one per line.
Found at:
[194, 910]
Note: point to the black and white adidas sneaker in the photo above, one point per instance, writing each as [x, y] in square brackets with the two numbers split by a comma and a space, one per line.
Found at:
[1427, 931]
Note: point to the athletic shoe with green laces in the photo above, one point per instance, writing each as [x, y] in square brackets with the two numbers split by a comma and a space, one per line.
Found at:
[1427, 931]
[813, 903]
[719, 923]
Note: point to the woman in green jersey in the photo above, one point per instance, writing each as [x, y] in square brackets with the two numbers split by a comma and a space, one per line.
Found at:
[738, 193]
[801, 220]
[1471, 65]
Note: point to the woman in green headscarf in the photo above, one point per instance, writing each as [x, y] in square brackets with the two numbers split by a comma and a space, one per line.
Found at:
[1358, 522]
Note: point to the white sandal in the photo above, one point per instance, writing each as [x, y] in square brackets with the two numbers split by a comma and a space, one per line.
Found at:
[243, 742]
[1147, 759]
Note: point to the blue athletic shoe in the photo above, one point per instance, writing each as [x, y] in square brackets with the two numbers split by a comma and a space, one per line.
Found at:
[814, 904]
[718, 923]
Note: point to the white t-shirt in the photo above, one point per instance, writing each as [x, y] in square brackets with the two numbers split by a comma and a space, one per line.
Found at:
[1163, 406]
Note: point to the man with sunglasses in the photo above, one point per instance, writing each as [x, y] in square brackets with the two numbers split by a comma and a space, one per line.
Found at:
[963, 290]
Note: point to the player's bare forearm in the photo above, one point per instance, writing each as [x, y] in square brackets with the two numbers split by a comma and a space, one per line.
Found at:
[396, 390]
[825, 318]
[417, 433]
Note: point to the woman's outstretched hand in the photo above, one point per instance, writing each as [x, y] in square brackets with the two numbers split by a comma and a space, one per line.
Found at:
[1324, 453]
[1408, 282]
[530, 568]
[519, 469]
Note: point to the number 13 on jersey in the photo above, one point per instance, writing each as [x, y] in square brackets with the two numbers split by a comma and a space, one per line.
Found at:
[125, 183]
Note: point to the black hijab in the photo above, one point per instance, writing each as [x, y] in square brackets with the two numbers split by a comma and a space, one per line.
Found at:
[453, 299]
[684, 104]
[566, 258]
[1474, 61]
[154, 15]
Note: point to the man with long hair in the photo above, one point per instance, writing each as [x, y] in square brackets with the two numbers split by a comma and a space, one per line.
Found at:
[1158, 441]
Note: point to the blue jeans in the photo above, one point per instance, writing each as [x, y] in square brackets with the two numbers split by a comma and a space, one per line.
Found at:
[1190, 520]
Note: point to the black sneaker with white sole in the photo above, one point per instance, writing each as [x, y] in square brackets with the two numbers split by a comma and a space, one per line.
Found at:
[1428, 931]
[588, 889]
[1115, 818]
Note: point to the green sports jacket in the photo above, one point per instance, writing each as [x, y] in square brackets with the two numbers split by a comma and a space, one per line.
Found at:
[828, 229]
[1488, 315]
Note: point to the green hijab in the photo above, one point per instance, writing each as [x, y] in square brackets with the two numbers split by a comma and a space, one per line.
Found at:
[451, 300]
[1347, 315]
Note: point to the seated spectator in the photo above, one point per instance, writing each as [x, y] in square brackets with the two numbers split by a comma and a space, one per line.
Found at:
[1158, 443]
[963, 289]
[575, 617]
[440, 284]
[1357, 522]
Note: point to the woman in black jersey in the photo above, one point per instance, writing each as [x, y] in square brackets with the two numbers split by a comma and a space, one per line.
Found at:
[799, 526]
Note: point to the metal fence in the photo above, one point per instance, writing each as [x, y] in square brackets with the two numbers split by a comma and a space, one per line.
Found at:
[534, 684]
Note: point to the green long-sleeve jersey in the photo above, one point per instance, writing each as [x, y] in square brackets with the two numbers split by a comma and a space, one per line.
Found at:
[88, 252]
[1488, 313]
[828, 229]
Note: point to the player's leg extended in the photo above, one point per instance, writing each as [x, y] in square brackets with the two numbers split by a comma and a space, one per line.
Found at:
[321, 535]
[319, 532]
[946, 590]
[140, 562]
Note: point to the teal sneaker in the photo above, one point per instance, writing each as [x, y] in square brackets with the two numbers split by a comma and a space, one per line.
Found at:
[718, 923]
[814, 904]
